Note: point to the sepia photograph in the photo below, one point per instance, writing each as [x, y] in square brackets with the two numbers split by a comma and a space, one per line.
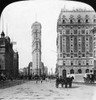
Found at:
[47, 50]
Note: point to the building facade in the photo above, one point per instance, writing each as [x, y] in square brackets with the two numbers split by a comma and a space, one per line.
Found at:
[76, 41]
[8, 60]
[16, 64]
[36, 48]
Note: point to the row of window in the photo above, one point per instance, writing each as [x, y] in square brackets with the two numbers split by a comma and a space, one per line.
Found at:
[75, 31]
[78, 71]
[72, 20]
[77, 62]
[80, 54]
[78, 38]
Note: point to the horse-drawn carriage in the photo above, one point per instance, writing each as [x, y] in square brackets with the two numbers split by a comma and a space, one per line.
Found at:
[89, 78]
[64, 81]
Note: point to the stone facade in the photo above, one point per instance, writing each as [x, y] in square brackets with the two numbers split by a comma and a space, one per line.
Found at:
[75, 41]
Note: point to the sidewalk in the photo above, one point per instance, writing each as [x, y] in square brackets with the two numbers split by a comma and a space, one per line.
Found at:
[8, 83]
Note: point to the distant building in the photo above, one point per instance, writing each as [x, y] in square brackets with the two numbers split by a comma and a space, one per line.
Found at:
[44, 69]
[25, 71]
[36, 48]
[16, 64]
[76, 42]
[8, 58]
[30, 69]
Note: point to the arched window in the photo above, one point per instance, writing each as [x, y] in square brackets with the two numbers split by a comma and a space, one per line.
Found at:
[64, 73]
[87, 71]
[79, 21]
[87, 19]
[91, 71]
[79, 71]
[63, 21]
[71, 71]
[71, 21]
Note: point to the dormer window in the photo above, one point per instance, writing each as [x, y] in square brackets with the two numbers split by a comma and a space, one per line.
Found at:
[63, 21]
[71, 21]
[87, 21]
[79, 21]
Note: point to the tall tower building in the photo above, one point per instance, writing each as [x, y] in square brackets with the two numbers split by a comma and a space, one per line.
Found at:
[76, 41]
[36, 48]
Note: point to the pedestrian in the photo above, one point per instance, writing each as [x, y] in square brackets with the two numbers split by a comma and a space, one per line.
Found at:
[36, 78]
[41, 79]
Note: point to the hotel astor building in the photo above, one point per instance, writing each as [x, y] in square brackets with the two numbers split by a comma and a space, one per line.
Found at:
[76, 41]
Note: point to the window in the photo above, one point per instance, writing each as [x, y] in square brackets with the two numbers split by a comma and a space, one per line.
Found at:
[87, 71]
[79, 31]
[79, 21]
[71, 50]
[75, 55]
[63, 55]
[87, 63]
[68, 55]
[67, 31]
[63, 21]
[63, 31]
[60, 55]
[83, 55]
[79, 71]
[71, 71]
[75, 31]
[71, 56]
[83, 31]
[71, 21]
[79, 63]
[71, 63]
[71, 45]
[63, 62]
[87, 32]
[87, 20]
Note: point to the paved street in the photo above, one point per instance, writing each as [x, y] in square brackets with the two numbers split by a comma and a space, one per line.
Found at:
[47, 91]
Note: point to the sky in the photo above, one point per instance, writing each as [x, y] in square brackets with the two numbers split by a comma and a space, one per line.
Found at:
[17, 19]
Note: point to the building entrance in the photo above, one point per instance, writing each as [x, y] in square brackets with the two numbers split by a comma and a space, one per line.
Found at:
[64, 73]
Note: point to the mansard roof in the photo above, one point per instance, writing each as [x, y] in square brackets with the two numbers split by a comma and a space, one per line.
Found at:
[36, 24]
